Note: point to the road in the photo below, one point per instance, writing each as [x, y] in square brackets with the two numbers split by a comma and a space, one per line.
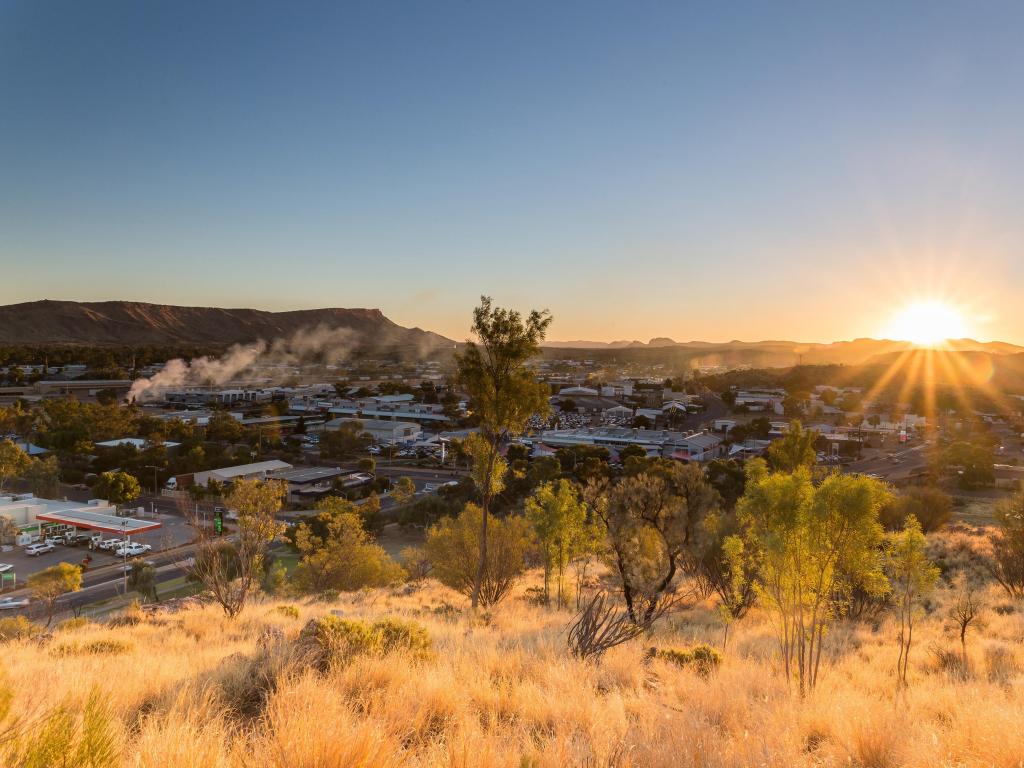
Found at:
[901, 465]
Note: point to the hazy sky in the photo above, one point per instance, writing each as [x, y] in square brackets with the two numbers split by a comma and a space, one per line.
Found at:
[700, 171]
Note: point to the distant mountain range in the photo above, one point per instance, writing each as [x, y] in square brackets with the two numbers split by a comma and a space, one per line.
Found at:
[772, 354]
[131, 323]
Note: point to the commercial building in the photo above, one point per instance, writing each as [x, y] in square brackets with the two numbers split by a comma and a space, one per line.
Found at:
[383, 431]
[37, 517]
[257, 471]
[690, 446]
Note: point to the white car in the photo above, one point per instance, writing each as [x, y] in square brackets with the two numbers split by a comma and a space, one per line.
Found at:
[10, 603]
[34, 550]
[109, 544]
[132, 550]
[5, 567]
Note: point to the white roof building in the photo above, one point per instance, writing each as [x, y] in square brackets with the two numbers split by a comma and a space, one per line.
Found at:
[136, 442]
[258, 470]
[384, 431]
[25, 508]
[570, 391]
[696, 446]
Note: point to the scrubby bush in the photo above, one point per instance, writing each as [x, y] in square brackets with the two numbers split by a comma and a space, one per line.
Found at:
[1000, 664]
[1007, 562]
[93, 648]
[18, 628]
[398, 635]
[702, 659]
[245, 683]
[74, 624]
[950, 662]
[335, 640]
[453, 546]
[932, 507]
[288, 611]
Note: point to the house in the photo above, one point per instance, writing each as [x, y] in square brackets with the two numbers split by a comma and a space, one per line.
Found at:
[701, 446]
[30, 448]
[138, 443]
[307, 483]
[757, 400]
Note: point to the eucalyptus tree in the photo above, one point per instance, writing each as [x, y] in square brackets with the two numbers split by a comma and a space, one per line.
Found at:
[504, 393]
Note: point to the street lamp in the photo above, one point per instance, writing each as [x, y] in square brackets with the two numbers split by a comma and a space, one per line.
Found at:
[124, 549]
[156, 491]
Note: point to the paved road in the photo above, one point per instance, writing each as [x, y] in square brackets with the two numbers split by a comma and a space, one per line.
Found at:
[907, 462]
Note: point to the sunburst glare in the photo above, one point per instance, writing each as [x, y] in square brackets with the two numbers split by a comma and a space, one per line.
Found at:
[927, 323]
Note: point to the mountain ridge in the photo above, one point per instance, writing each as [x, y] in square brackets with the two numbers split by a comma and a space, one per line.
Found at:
[48, 322]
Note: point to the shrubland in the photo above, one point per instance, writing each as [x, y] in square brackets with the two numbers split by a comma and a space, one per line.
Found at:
[410, 675]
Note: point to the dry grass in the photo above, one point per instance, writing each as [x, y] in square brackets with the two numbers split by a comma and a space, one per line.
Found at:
[193, 689]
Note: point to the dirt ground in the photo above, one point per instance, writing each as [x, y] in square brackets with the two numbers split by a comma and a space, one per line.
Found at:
[394, 538]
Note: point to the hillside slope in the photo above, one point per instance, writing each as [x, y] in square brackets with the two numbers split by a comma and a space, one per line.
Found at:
[499, 690]
[137, 323]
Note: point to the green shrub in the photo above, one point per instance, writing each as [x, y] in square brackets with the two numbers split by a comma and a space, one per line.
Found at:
[399, 635]
[288, 611]
[333, 639]
[18, 628]
[702, 659]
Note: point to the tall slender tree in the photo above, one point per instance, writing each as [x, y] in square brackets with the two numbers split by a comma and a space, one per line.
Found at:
[504, 393]
[913, 578]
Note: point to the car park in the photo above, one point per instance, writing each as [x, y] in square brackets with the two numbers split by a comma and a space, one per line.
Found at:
[34, 550]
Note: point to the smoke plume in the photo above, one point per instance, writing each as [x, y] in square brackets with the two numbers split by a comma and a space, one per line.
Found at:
[321, 344]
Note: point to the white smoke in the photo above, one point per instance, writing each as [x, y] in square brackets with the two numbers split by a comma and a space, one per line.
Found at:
[320, 344]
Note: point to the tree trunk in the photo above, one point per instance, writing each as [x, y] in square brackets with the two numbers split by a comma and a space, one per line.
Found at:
[485, 507]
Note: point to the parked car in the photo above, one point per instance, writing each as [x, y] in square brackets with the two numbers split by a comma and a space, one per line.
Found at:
[55, 540]
[10, 603]
[34, 550]
[132, 550]
[109, 543]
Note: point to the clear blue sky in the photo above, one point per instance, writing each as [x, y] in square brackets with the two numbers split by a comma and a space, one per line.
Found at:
[712, 170]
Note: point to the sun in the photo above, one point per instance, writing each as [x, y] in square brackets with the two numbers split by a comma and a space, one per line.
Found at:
[927, 323]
